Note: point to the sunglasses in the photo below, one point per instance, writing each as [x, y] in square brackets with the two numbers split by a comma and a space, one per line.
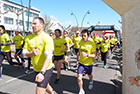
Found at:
[0, 29]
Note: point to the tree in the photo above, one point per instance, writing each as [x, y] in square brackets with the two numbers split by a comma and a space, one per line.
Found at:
[47, 24]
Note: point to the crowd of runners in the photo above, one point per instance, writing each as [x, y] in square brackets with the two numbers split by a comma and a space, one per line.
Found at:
[47, 52]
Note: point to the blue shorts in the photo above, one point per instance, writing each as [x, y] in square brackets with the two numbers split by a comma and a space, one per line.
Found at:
[87, 69]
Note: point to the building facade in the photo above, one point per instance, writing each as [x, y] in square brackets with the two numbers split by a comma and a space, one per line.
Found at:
[9, 19]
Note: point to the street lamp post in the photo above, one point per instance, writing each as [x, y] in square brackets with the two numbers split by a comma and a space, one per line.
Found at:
[75, 18]
[84, 18]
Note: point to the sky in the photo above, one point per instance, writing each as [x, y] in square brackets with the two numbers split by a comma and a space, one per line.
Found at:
[60, 11]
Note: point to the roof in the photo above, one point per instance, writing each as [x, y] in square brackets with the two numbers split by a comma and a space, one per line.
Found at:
[32, 8]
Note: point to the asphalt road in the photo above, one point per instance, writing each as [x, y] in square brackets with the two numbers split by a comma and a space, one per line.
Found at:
[14, 81]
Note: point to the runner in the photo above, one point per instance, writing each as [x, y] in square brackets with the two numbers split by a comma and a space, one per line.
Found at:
[18, 41]
[52, 35]
[67, 52]
[97, 41]
[76, 40]
[104, 50]
[5, 42]
[72, 47]
[60, 46]
[29, 58]
[39, 46]
[87, 52]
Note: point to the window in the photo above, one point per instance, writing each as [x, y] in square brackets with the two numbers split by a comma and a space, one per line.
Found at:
[8, 20]
[7, 7]
[30, 23]
[35, 15]
[16, 10]
[20, 22]
[30, 14]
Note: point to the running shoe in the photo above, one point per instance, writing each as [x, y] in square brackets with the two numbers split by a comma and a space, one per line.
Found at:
[75, 65]
[108, 56]
[57, 81]
[90, 86]
[104, 66]
[27, 71]
[81, 91]
[69, 67]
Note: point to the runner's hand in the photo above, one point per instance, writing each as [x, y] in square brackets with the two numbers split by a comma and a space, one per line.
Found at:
[84, 54]
[62, 51]
[36, 52]
[39, 77]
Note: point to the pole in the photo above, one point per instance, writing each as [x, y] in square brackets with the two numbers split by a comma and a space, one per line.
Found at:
[84, 18]
[28, 15]
[23, 19]
[76, 19]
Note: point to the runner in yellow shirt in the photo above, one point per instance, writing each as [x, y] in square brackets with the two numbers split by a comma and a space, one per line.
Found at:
[104, 50]
[29, 58]
[18, 41]
[97, 41]
[72, 47]
[5, 42]
[76, 40]
[60, 46]
[39, 46]
[115, 44]
[67, 52]
[87, 53]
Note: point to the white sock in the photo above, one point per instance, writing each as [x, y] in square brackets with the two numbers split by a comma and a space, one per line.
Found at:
[91, 82]
[81, 89]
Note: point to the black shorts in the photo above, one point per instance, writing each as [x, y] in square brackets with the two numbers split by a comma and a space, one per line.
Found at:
[47, 77]
[18, 51]
[97, 49]
[56, 58]
[67, 53]
[76, 50]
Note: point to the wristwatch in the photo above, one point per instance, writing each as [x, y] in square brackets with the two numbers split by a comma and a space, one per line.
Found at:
[87, 55]
[42, 72]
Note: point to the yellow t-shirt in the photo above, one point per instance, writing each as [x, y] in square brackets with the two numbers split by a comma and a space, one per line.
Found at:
[112, 42]
[18, 40]
[104, 46]
[69, 42]
[42, 42]
[59, 45]
[4, 38]
[116, 41]
[87, 47]
[76, 41]
[97, 40]
[109, 41]
[90, 39]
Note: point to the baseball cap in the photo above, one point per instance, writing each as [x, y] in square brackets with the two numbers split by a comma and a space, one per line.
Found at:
[17, 30]
[95, 33]
[27, 31]
[77, 31]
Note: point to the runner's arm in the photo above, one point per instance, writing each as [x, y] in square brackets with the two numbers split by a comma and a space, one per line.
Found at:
[6, 44]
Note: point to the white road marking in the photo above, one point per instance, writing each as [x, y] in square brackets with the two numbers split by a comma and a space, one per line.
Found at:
[18, 77]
